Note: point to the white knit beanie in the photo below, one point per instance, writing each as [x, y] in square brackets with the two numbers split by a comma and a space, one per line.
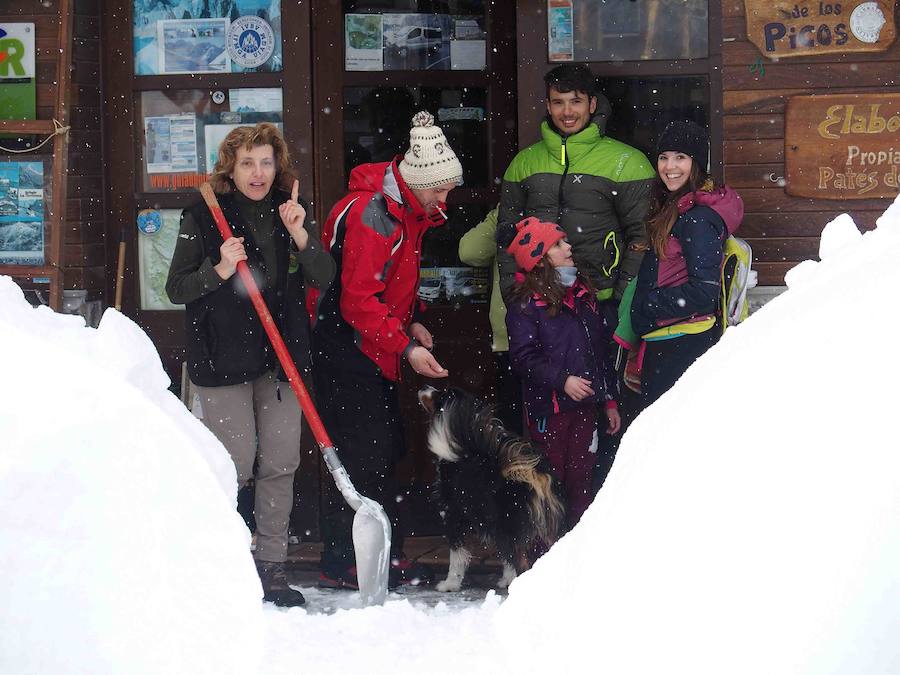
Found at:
[430, 161]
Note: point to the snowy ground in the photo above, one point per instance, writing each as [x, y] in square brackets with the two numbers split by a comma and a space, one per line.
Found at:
[751, 523]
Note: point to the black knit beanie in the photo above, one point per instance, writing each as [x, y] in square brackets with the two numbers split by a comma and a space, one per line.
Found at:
[687, 137]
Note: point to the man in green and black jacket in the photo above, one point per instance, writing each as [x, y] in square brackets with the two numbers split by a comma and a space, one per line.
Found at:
[596, 188]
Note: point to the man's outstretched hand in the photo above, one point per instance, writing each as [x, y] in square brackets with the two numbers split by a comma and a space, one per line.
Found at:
[424, 363]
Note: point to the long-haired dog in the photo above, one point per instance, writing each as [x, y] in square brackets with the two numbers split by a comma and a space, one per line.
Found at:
[490, 483]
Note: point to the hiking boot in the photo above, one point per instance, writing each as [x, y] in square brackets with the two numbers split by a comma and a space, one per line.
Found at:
[333, 577]
[275, 585]
[407, 571]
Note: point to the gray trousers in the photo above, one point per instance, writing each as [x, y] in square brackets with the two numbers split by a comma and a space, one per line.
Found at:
[249, 420]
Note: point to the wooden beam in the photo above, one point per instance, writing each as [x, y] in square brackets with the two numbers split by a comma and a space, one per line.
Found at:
[61, 153]
[26, 127]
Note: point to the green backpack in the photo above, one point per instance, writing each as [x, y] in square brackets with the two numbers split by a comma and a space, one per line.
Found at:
[735, 281]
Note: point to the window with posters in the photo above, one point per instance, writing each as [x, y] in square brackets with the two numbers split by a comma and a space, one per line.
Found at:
[180, 36]
[424, 35]
[182, 130]
[380, 85]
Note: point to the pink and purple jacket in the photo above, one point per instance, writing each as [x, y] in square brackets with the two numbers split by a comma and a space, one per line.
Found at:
[685, 286]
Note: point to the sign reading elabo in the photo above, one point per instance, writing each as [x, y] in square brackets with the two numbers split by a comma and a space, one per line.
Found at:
[844, 146]
[782, 28]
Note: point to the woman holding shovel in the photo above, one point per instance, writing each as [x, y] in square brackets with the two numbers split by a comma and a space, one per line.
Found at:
[246, 402]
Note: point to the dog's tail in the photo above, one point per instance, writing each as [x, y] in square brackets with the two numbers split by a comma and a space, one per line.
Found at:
[520, 464]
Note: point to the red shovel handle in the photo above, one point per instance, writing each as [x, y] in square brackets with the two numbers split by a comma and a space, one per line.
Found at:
[309, 410]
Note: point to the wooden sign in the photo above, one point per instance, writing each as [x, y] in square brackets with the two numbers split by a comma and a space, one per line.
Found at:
[781, 28]
[843, 146]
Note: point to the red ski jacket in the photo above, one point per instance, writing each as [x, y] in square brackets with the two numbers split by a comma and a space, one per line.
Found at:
[375, 236]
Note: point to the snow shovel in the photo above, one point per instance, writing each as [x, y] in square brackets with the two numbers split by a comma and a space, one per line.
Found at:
[371, 527]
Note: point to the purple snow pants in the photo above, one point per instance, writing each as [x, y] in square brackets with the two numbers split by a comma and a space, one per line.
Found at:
[566, 438]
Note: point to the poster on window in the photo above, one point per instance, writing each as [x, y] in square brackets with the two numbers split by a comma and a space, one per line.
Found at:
[21, 213]
[255, 100]
[156, 246]
[362, 42]
[171, 143]
[417, 41]
[560, 41]
[193, 46]
[244, 34]
[468, 48]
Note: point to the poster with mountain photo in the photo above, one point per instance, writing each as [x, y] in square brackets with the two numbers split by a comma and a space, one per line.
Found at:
[21, 213]
[193, 46]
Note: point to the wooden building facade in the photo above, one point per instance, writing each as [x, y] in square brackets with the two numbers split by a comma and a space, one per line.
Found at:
[344, 97]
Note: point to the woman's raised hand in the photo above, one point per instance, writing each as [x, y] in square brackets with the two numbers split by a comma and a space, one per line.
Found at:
[293, 215]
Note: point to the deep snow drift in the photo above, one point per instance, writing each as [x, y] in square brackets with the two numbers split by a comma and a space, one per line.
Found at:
[120, 547]
[751, 523]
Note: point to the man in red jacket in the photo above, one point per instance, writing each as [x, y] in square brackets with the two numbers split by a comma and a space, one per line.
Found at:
[365, 326]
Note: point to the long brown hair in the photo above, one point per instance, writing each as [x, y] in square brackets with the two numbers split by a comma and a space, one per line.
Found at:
[543, 281]
[264, 133]
[664, 207]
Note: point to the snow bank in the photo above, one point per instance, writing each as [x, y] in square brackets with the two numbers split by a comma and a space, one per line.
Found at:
[751, 523]
[399, 637]
[120, 546]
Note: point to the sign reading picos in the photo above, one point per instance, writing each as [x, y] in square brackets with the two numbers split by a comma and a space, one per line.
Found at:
[844, 146]
[781, 28]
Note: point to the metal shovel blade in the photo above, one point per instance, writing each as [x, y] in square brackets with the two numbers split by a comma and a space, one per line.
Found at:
[372, 544]
[371, 535]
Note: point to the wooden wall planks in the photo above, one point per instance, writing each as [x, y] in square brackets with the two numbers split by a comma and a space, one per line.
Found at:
[83, 262]
[784, 230]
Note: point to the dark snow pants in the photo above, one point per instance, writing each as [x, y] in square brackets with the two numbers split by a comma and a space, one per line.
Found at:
[509, 394]
[667, 360]
[569, 439]
[361, 413]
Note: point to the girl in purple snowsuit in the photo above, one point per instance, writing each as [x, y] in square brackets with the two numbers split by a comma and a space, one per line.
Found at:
[558, 345]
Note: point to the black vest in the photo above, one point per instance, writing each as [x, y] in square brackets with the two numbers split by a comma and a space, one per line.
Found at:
[225, 340]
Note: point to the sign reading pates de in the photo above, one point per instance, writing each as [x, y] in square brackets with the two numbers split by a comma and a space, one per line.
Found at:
[844, 146]
[782, 28]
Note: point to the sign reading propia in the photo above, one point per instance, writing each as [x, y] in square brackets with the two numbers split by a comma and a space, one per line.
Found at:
[16, 50]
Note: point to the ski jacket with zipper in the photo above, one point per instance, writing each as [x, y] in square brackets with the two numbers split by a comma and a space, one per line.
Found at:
[225, 340]
[680, 293]
[596, 188]
[375, 236]
[545, 350]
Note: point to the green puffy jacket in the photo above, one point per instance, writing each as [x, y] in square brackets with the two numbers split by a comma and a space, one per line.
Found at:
[478, 248]
[596, 188]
